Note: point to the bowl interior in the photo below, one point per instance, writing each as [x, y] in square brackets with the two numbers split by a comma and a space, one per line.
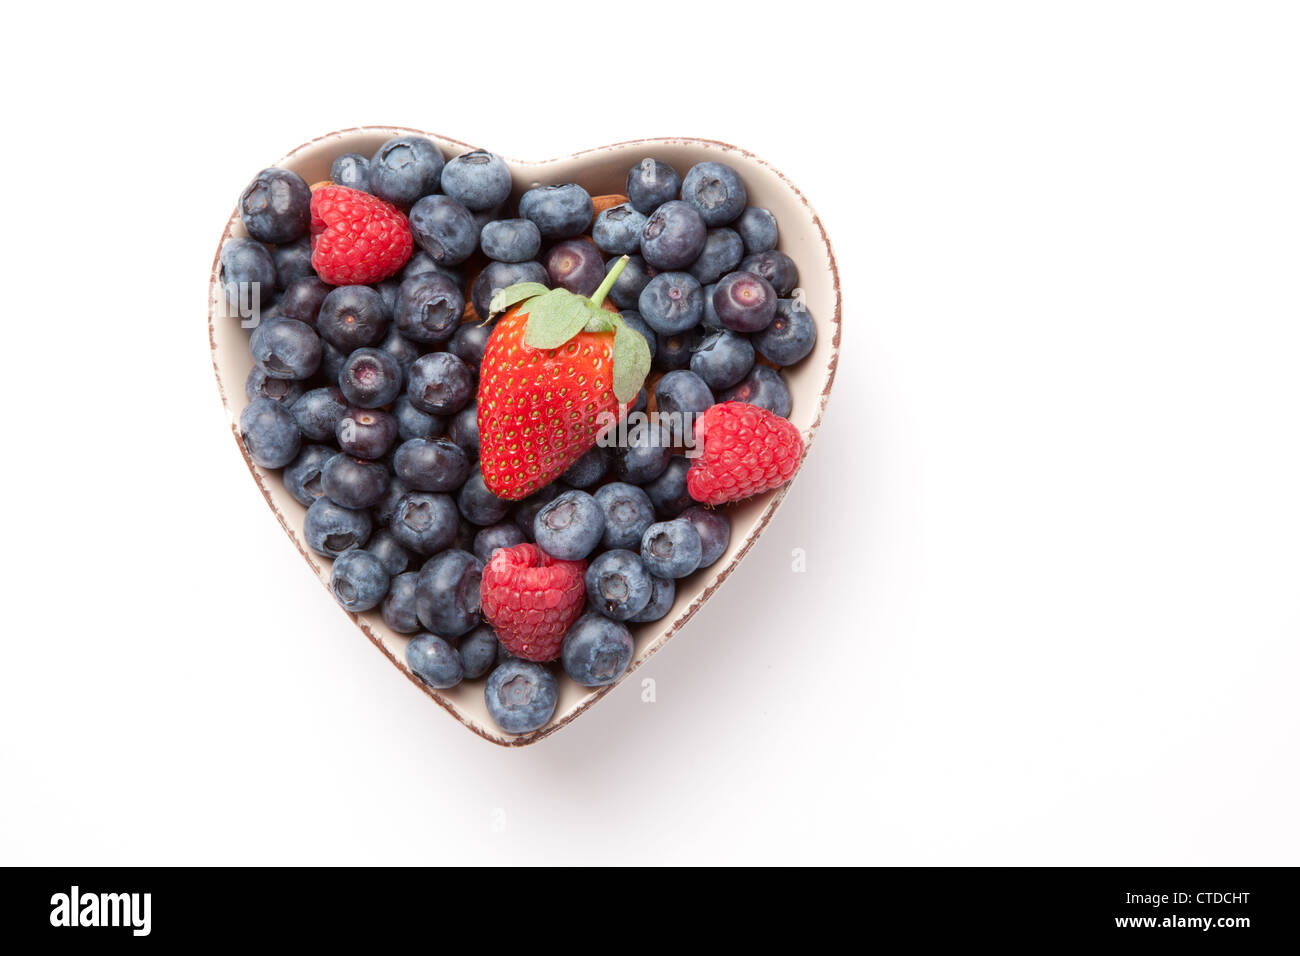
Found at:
[601, 171]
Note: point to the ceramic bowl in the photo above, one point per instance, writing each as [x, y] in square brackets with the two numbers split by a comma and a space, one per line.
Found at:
[601, 171]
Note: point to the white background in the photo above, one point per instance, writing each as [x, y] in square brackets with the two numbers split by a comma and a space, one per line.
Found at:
[1052, 522]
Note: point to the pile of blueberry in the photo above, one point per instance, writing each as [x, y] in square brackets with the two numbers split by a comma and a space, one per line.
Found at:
[365, 395]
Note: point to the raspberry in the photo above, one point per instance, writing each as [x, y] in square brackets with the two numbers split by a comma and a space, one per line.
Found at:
[744, 450]
[356, 239]
[531, 599]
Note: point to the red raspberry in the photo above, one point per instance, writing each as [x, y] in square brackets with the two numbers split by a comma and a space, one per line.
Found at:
[356, 238]
[531, 599]
[744, 450]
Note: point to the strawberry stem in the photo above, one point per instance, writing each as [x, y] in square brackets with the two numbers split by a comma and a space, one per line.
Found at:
[611, 277]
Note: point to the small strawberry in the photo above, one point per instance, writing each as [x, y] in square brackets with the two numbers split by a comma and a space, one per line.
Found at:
[744, 450]
[356, 238]
[531, 598]
[557, 372]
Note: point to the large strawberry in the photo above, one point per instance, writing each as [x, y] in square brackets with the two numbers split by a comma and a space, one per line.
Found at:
[557, 371]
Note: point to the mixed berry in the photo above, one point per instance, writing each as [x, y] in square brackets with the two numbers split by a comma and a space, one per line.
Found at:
[515, 422]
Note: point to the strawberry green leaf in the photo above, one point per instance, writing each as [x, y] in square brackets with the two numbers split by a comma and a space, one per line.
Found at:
[631, 362]
[554, 318]
[513, 295]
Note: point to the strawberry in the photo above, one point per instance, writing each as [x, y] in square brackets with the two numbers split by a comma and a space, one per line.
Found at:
[356, 238]
[557, 372]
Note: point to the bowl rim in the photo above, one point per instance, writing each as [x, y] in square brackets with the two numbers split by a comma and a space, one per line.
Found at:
[756, 530]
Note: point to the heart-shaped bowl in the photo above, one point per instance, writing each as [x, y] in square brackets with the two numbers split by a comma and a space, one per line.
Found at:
[601, 171]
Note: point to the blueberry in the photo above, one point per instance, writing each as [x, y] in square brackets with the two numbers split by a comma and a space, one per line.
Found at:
[319, 412]
[302, 477]
[358, 580]
[511, 240]
[444, 229]
[714, 530]
[478, 651]
[425, 522]
[293, 262]
[260, 385]
[674, 351]
[526, 511]
[276, 206]
[671, 549]
[776, 267]
[331, 529]
[520, 695]
[757, 229]
[576, 265]
[398, 608]
[331, 363]
[710, 319]
[668, 492]
[673, 236]
[447, 595]
[570, 527]
[645, 454]
[641, 402]
[434, 661]
[429, 307]
[790, 337]
[650, 184]
[723, 359]
[560, 212]
[352, 317]
[662, 594]
[505, 534]
[437, 464]
[477, 504]
[387, 289]
[370, 378]
[351, 170]
[404, 169]
[618, 584]
[625, 293]
[479, 180]
[464, 429]
[596, 650]
[465, 533]
[681, 396]
[366, 432]
[303, 298]
[744, 302]
[246, 270]
[628, 512]
[421, 263]
[632, 319]
[470, 342]
[717, 191]
[269, 433]
[395, 558]
[400, 348]
[722, 253]
[617, 230]
[354, 482]
[286, 348]
[672, 302]
[587, 470]
[501, 275]
[439, 383]
[413, 423]
[387, 506]
[765, 388]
